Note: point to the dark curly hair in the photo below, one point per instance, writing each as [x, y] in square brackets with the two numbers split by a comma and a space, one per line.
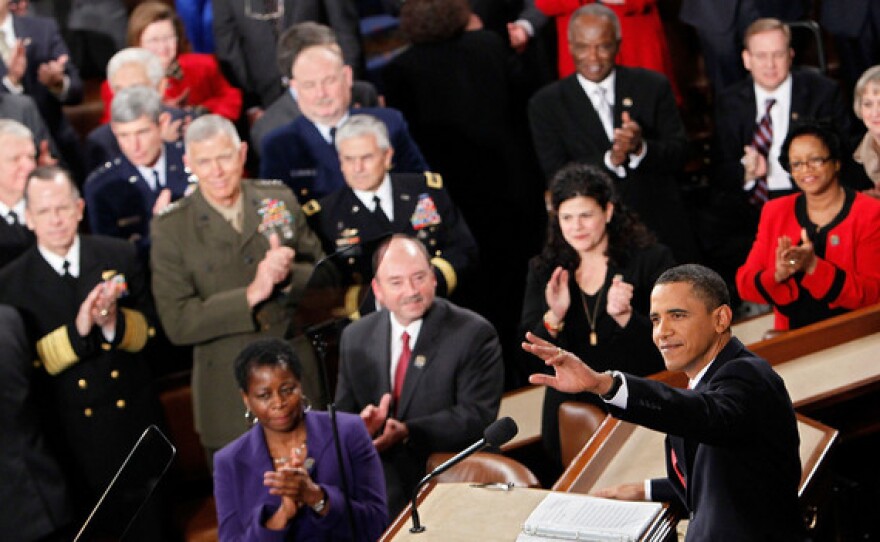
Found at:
[271, 352]
[625, 231]
[819, 129]
[427, 21]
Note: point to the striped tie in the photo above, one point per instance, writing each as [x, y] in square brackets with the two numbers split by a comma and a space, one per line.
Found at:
[761, 142]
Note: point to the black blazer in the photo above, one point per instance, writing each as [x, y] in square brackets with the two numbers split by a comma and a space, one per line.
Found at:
[86, 395]
[566, 128]
[13, 241]
[46, 44]
[33, 491]
[736, 440]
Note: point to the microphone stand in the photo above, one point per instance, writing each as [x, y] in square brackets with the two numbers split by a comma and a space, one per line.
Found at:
[316, 337]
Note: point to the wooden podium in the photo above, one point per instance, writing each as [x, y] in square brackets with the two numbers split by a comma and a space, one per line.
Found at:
[462, 513]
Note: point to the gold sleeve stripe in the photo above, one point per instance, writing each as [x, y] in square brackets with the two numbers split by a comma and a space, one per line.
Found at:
[448, 273]
[56, 351]
[136, 331]
[352, 298]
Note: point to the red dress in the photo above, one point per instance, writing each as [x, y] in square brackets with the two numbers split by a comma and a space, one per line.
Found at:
[643, 44]
[201, 74]
[847, 275]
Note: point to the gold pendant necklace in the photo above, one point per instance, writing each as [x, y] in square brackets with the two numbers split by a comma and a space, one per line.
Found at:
[591, 318]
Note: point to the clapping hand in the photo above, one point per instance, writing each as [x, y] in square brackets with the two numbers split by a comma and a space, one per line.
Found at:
[619, 305]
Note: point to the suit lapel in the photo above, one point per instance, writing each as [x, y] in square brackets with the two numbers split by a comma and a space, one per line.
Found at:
[423, 353]
[212, 227]
[800, 99]
[404, 206]
[587, 125]
[380, 350]
[251, 204]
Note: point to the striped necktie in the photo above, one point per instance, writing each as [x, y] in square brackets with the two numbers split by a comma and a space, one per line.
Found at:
[761, 141]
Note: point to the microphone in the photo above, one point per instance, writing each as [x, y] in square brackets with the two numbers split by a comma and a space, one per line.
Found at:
[498, 433]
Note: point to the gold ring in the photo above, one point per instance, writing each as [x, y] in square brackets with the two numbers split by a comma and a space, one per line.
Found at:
[792, 262]
[558, 351]
[104, 312]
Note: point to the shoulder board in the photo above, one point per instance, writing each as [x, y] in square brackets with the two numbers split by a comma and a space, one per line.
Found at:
[311, 207]
[433, 180]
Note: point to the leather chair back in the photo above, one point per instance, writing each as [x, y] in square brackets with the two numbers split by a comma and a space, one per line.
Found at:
[577, 423]
[484, 468]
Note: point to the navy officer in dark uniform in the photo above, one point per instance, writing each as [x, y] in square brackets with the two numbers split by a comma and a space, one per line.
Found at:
[86, 307]
[375, 203]
[148, 174]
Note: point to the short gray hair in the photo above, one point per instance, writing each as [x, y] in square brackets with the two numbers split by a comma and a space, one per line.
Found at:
[361, 125]
[136, 55]
[596, 10]
[49, 174]
[13, 128]
[208, 126]
[871, 75]
[297, 39]
[132, 103]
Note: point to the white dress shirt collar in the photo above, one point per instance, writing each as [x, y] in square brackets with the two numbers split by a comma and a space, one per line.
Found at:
[159, 166]
[324, 129]
[57, 262]
[386, 197]
[414, 328]
[18, 209]
[777, 178]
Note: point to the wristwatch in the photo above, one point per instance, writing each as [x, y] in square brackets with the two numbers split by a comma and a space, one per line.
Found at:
[616, 382]
[319, 506]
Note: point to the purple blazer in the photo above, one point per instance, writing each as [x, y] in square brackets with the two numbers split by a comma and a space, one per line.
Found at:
[244, 503]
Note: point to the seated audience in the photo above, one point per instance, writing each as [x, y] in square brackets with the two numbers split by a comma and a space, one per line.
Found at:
[144, 178]
[374, 203]
[867, 108]
[285, 109]
[281, 479]
[588, 291]
[817, 252]
[130, 67]
[23, 109]
[194, 81]
[301, 153]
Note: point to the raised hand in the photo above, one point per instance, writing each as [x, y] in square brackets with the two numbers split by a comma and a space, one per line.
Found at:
[374, 416]
[272, 269]
[619, 305]
[571, 375]
[557, 295]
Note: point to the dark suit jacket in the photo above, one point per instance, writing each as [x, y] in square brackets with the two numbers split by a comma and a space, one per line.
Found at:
[46, 44]
[285, 110]
[720, 15]
[33, 491]
[245, 47]
[101, 144]
[13, 241]
[451, 393]
[736, 440]
[243, 502]
[119, 202]
[342, 220]
[813, 96]
[566, 128]
[105, 395]
[298, 155]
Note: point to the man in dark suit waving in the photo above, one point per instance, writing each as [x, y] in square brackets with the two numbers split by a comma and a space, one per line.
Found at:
[425, 375]
[732, 442]
[623, 119]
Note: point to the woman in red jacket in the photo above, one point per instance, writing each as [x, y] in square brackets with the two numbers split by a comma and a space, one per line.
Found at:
[193, 80]
[817, 252]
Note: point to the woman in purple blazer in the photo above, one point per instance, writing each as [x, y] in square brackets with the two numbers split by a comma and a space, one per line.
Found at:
[281, 480]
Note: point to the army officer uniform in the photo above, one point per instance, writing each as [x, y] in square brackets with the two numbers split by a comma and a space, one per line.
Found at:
[421, 208]
[201, 270]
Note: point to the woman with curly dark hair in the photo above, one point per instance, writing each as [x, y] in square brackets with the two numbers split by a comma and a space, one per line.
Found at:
[589, 289]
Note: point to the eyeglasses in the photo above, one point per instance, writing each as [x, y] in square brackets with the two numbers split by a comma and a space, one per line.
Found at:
[812, 163]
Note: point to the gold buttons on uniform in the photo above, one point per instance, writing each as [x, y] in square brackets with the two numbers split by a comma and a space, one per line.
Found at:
[120, 403]
[151, 332]
[105, 347]
[438, 253]
[82, 383]
[114, 374]
[87, 413]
